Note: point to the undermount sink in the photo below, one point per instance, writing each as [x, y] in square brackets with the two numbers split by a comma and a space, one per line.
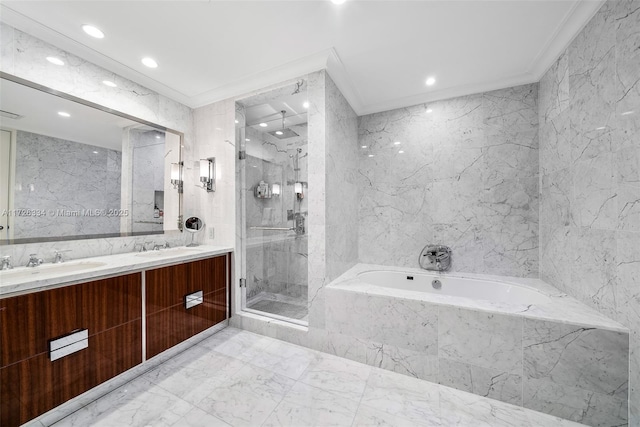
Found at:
[25, 272]
[168, 252]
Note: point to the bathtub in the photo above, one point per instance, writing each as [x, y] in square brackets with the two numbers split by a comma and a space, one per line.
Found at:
[517, 340]
[455, 286]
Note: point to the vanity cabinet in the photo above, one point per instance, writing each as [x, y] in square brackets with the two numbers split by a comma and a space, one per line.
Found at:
[31, 383]
[108, 316]
[168, 320]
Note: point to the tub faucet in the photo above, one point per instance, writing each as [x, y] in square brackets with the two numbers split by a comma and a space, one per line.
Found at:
[34, 261]
[435, 258]
[5, 263]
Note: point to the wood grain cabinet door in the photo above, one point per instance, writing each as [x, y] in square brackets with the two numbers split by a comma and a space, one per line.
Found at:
[31, 383]
[169, 322]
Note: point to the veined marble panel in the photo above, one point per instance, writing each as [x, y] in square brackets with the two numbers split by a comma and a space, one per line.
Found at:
[452, 172]
[486, 340]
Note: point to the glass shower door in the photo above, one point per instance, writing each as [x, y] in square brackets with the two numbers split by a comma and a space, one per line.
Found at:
[272, 176]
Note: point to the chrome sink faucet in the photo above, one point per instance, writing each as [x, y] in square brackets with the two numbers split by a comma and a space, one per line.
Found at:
[34, 261]
[5, 263]
[58, 256]
[435, 258]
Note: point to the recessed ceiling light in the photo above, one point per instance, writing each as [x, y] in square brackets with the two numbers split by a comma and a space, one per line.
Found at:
[429, 110]
[93, 31]
[397, 143]
[263, 125]
[400, 152]
[63, 114]
[431, 81]
[54, 60]
[306, 104]
[370, 155]
[337, 1]
[149, 62]
[364, 146]
[237, 122]
[109, 83]
[247, 139]
[278, 132]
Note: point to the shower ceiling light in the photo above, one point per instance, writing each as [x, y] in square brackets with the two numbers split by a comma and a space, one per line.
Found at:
[54, 60]
[431, 81]
[263, 125]
[149, 62]
[93, 31]
[109, 83]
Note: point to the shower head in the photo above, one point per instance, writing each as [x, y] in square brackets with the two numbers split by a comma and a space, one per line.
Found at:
[283, 133]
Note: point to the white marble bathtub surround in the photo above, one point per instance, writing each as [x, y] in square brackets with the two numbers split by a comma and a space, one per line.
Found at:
[467, 177]
[559, 356]
[589, 163]
[463, 336]
[576, 373]
[23, 55]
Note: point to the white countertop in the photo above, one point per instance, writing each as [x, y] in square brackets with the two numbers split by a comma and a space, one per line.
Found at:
[20, 280]
[560, 307]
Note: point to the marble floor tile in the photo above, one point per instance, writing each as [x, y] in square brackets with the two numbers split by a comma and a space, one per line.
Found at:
[334, 374]
[410, 398]
[248, 398]
[218, 383]
[305, 405]
[285, 359]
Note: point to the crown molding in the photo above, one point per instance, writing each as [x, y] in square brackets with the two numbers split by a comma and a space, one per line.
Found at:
[260, 80]
[574, 22]
[438, 95]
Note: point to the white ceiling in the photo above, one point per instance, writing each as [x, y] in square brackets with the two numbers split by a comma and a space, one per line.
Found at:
[378, 52]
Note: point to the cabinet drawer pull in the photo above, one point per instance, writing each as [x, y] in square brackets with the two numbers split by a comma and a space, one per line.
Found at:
[193, 299]
[68, 344]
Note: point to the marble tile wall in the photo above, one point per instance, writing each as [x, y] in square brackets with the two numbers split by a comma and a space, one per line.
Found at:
[461, 172]
[23, 55]
[62, 179]
[590, 179]
[571, 371]
[332, 189]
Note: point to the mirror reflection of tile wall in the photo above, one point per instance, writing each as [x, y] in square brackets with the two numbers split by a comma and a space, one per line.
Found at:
[56, 178]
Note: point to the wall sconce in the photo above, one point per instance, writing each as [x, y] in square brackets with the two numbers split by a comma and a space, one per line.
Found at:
[275, 189]
[208, 174]
[176, 176]
[297, 188]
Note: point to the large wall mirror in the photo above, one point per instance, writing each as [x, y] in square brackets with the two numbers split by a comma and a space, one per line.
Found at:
[70, 169]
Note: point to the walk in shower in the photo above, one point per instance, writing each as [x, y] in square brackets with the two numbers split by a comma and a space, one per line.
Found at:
[272, 137]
